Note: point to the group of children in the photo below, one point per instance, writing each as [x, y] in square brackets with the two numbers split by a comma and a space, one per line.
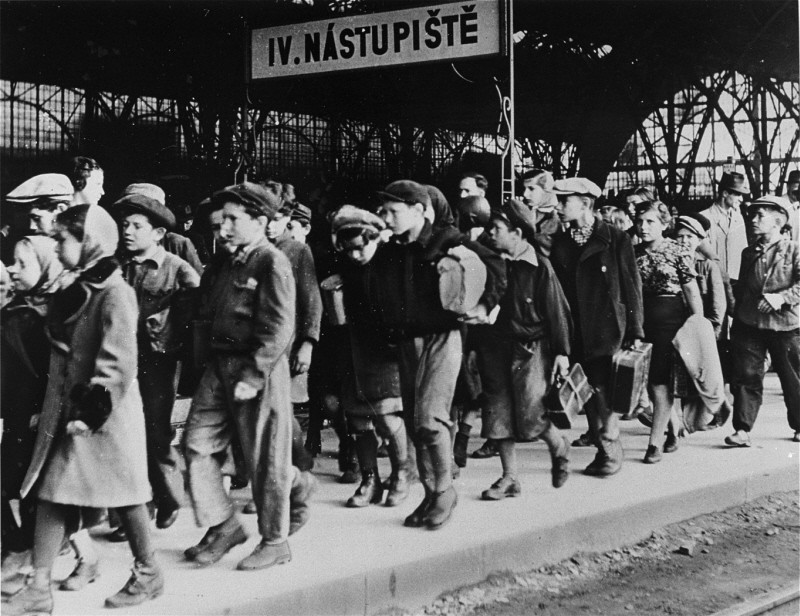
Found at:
[106, 314]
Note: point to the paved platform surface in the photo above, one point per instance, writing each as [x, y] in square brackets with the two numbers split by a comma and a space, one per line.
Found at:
[364, 561]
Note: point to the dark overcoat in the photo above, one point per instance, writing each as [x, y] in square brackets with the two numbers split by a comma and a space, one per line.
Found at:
[603, 287]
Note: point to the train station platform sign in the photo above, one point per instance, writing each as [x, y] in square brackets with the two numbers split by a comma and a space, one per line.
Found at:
[451, 31]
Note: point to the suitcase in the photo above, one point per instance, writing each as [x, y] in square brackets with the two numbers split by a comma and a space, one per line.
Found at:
[333, 299]
[630, 370]
[566, 397]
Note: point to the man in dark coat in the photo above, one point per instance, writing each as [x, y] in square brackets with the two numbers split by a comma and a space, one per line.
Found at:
[595, 264]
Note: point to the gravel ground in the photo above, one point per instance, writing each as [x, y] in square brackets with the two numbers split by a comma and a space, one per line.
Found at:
[695, 567]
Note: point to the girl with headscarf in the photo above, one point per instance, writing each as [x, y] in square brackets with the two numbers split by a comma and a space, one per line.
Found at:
[90, 448]
[24, 360]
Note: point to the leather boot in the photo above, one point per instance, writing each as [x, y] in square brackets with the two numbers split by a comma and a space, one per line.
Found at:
[441, 508]
[226, 536]
[369, 492]
[30, 600]
[146, 582]
[398, 456]
[371, 488]
[608, 460]
[417, 517]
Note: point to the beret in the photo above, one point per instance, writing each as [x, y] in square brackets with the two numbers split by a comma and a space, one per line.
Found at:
[773, 202]
[302, 213]
[577, 186]
[406, 191]
[157, 212]
[44, 187]
[518, 216]
[250, 195]
[351, 217]
[148, 190]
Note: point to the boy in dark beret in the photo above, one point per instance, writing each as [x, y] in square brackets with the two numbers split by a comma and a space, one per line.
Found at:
[250, 311]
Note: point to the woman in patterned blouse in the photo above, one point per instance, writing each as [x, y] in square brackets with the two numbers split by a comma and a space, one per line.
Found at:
[670, 294]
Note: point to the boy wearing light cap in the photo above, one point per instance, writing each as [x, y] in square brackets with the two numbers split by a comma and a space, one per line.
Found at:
[406, 293]
[250, 308]
[163, 283]
[595, 264]
[47, 195]
[766, 318]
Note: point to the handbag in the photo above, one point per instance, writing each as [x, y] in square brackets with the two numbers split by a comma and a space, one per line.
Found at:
[567, 396]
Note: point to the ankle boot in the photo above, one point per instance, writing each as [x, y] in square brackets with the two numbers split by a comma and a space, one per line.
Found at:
[441, 508]
[146, 582]
[31, 599]
[417, 517]
[369, 492]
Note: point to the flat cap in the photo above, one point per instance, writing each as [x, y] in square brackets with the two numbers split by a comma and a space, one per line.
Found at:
[352, 217]
[793, 177]
[53, 187]
[250, 195]
[773, 202]
[301, 213]
[157, 212]
[517, 215]
[148, 190]
[694, 222]
[406, 191]
[577, 186]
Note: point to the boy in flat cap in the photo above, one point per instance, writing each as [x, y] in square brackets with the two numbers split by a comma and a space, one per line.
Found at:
[766, 318]
[46, 196]
[371, 394]
[524, 350]
[405, 283]
[250, 309]
[597, 269]
[164, 285]
[300, 222]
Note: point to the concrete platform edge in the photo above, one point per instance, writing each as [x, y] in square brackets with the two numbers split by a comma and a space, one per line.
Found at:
[417, 583]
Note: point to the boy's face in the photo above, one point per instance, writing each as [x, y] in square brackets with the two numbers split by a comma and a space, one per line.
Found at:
[215, 219]
[400, 217]
[571, 207]
[239, 227]
[469, 187]
[503, 239]
[766, 221]
[532, 194]
[42, 220]
[138, 233]
[25, 271]
[687, 239]
[277, 226]
[359, 250]
[298, 230]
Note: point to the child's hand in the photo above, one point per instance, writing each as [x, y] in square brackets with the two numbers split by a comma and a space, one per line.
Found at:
[33, 424]
[560, 367]
[244, 391]
[77, 428]
[302, 359]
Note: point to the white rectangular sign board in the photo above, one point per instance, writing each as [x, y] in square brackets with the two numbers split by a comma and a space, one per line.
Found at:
[424, 34]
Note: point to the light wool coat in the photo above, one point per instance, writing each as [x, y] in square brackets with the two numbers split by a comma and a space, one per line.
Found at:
[107, 468]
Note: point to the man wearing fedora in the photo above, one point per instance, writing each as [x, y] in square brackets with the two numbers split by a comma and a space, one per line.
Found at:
[766, 318]
[728, 234]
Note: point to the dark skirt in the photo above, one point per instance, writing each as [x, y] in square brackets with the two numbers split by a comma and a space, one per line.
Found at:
[663, 317]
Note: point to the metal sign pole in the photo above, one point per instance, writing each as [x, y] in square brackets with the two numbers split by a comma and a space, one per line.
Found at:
[508, 156]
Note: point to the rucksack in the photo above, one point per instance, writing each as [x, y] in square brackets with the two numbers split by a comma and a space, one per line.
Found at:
[462, 279]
